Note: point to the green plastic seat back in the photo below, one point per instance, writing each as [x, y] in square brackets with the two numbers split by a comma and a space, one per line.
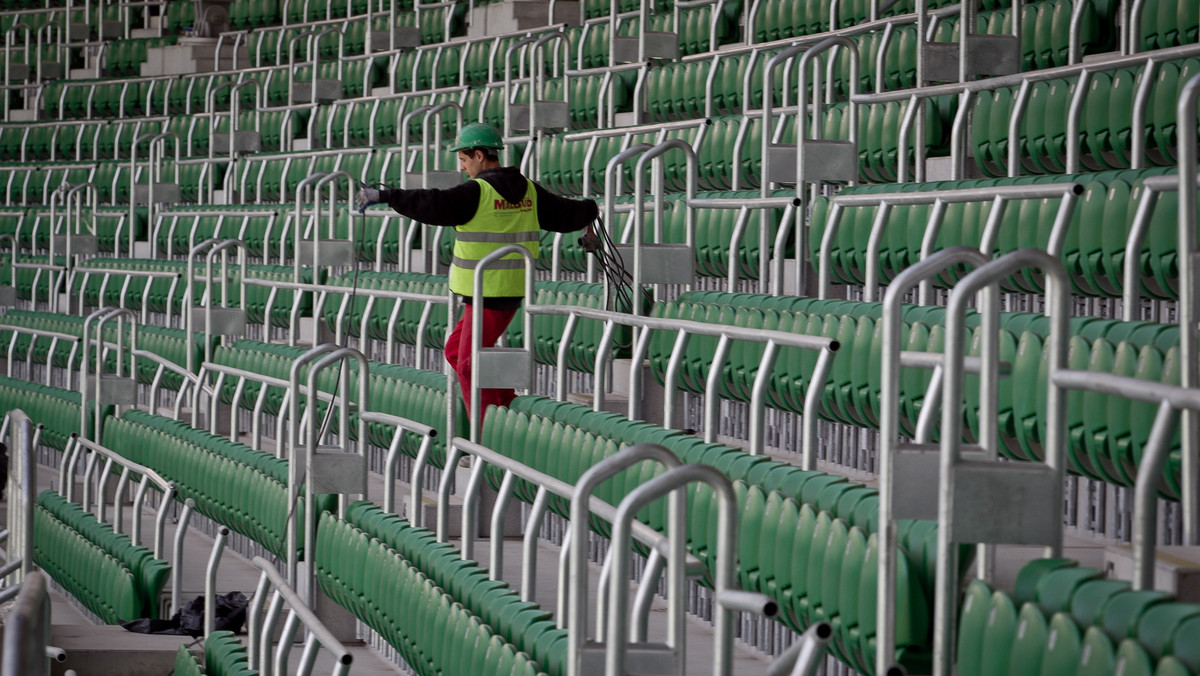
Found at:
[1064, 646]
[999, 635]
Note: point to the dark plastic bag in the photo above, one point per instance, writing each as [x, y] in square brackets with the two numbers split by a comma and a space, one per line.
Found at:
[189, 620]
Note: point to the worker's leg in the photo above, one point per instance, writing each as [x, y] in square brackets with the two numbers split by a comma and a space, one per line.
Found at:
[458, 354]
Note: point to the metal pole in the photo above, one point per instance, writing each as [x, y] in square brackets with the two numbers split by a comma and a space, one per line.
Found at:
[210, 581]
[1145, 508]
[577, 590]
[1188, 311]
[177, 558]
[889, 436]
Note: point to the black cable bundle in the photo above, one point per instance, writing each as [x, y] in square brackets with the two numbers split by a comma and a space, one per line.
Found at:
[612, 266]
[353, 296]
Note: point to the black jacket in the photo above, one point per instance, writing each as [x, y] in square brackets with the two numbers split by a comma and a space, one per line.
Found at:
[456, 206]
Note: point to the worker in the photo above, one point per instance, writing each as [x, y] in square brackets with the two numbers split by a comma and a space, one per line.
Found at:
[496, 208]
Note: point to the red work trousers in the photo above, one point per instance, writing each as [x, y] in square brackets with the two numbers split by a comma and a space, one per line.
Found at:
[458, 353]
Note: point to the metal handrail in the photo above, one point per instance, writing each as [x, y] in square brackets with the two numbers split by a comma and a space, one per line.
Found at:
[889, 432]
[320, 357]
[509, 92]
[826, 346]
[723, 577]
[403, 425]
[213, 246]
[986, 279]
[1075, 112]
[157, 146]
[402, 134]
[999, 194]
[304, 183]
[773, 339]
[66, 191]
[639, 215]
[259, 634]
[82, 446]
[77, 340]
[323, 179]
[11, 239]
[27, 634]
[9, 37]
[802, 112]
[1131, 292]
[477, 320]
[1185, 113]
[537, 73]
[575, 594]
[610, 191]
[101, 317]
[805, 656]
[1172, 401]
[322, 292]
[22, 497]
[435, 148]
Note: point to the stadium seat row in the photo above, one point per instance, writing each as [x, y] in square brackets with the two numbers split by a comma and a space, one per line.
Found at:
[431, 629]
[149, 574]
[1106, 127]
[55, 408]
[100, 582]
[1063, 617]
[180, 229]
[165, 342]
[1094, 250]
[224, 655]
[230, 483]
[522, 624]
[415, 394]
[105, 282]
[804, 537]
[1107, 434]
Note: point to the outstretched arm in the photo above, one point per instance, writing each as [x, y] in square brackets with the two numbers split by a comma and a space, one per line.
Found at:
[449, 207]
[559, 214]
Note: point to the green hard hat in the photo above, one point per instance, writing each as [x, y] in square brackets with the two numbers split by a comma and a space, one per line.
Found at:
[477, 135]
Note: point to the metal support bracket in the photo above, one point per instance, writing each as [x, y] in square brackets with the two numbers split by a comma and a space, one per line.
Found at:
[551, 115]
[119, 390]
[163, 193]
[327, 90]
[1006, 503]
[406, 37]
[246, 141]
[987, 55]
[641, 659]
[659, 45]
[439, 179]
[84, 245]
[226, 321]
[824, 161]
[505, 367]
[663, 263]
[334, 252]
[337, 472]
[915, 469]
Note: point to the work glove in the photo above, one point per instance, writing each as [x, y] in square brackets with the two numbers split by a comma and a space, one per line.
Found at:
[590, 243]
[365, 198]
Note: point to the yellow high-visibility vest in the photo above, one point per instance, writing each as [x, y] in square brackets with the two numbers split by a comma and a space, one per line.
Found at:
[497, 223]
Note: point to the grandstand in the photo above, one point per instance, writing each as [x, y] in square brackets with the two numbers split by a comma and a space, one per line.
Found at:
[909, 382]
